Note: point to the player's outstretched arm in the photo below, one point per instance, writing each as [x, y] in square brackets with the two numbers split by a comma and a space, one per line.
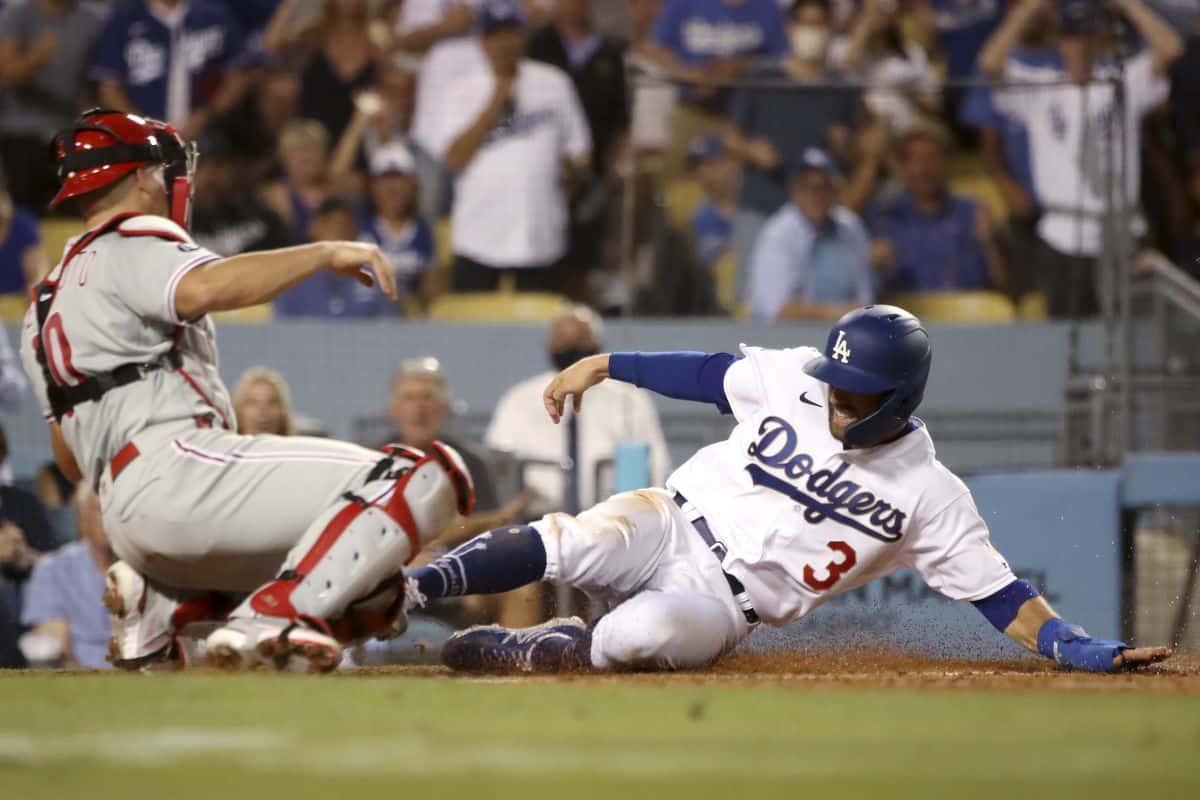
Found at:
[682, 375]
[254, 278]
[1025, 617]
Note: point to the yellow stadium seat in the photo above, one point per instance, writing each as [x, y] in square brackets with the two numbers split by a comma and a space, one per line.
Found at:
[13, 306]
[254, 315]
[681, 198]
[496, 307]
[968, 177]
[55, 233]
[1032, 306]
[958, 306]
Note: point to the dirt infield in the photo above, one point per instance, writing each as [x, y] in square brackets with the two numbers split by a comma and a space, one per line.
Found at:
[873, 670]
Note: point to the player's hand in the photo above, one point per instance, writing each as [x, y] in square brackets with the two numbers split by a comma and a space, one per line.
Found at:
[365, 263]
[1136, 657]
[573, 382]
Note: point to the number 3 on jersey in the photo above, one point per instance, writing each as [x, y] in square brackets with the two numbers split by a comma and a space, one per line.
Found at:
[834, 570]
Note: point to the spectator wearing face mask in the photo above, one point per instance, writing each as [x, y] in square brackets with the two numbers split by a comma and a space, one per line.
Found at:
[618, 413]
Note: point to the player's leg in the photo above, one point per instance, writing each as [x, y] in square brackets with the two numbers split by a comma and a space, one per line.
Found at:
[236, 508]
[344, 577]
[636, 547]
[654, 629]
[609, 551]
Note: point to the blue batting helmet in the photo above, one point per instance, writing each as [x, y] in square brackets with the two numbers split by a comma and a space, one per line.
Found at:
[872, 350]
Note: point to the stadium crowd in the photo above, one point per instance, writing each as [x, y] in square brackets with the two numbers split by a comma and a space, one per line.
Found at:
[777, 158]
[783, 160]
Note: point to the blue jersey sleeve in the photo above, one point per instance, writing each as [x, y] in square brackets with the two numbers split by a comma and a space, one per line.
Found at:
[668, 28]
[775, 41]
[108, 61]
[683, 375]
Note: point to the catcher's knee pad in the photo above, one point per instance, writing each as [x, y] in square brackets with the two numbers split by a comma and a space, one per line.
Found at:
[365, 539]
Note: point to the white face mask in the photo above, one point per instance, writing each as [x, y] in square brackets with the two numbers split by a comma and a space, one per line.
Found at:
[809, 42]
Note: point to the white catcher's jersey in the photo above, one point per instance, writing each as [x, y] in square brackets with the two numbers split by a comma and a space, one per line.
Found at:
[116, 305]
[804, 520]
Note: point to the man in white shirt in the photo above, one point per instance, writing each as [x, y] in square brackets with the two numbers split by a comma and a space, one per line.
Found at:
[512, 134]
[1075, 136]
[618, 413]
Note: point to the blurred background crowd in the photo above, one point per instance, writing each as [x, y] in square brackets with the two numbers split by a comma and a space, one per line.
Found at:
[767, 160]
[770, 159]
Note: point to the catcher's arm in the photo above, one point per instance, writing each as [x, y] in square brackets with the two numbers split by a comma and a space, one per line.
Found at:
[1024, 616]
[249, 279]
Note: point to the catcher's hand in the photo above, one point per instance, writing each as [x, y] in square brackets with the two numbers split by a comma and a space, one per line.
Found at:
[1136, 657]
[365, 263]
[574, 381]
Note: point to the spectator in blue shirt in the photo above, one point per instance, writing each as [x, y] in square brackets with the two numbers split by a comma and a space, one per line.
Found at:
[63, 599]
[22, 262]
[169, 59]
[394, 223]
[926, 238]
[335, 220]
[712, 221]
[812, 260]
[704, 45]
[962, 27]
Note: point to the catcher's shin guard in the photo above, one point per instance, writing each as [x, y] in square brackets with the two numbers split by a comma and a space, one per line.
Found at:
[346, 572]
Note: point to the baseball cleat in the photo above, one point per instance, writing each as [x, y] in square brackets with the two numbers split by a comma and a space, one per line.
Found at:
[554, 646]
[246, 643]
[152, 630]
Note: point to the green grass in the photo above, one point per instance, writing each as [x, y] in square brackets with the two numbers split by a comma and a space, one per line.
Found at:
[178, 737]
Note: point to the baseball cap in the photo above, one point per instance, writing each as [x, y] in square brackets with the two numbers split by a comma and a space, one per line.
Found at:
[704, 148]
[392, 159]
[812, 158]
[497, 14]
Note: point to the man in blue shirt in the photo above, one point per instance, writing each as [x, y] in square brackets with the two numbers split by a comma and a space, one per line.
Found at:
[705, 45]
[169, 59]
[812, 260]
[928, 239]
[712, 221]
[69, 623]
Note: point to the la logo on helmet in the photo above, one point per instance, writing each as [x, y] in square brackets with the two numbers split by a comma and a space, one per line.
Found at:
[841, 349]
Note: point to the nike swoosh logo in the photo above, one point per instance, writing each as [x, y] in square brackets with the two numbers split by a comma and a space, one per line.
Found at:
[804, 399]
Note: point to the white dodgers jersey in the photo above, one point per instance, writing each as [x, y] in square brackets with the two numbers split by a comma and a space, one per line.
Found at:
[115, 305]
[804, 520]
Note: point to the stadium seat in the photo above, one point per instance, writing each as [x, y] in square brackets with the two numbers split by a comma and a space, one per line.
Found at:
[958, 306]
[681, 198]
[967, 177]
[1032, 306]
[254, 315]
[496, 307]
[13, 306]
[55, 233]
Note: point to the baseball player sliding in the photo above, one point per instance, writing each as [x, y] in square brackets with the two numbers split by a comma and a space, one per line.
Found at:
[314, 533]
[827, 482]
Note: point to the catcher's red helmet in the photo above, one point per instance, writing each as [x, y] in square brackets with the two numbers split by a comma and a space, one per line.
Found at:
[104, 146]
